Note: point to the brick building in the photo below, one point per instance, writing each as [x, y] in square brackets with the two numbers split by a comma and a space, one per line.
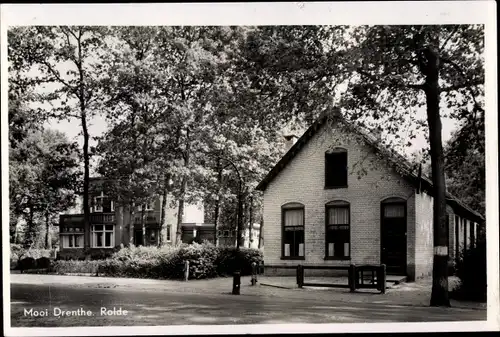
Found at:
[337, 197]
[227, 237]
[110, 224]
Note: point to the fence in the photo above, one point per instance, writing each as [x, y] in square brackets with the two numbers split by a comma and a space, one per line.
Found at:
[357, 275]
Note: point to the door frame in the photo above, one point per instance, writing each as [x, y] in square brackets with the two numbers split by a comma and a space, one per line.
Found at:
[394, 201]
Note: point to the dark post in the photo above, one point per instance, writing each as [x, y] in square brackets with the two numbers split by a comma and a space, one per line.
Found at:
[254, 273]
[236, 283]
[352, 278]
[300, 276]
[382, 279]
[186, 270]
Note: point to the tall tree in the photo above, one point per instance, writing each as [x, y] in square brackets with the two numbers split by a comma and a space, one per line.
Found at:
[385, 74]
[439, 68]
[128, 150]
[68, 59]
[43, 179]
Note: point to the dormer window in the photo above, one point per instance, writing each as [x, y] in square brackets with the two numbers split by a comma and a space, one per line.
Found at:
[98, 203]
[336, 168]
[103, 203]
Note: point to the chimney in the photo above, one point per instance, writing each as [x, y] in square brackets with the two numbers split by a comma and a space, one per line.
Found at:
[290, 141]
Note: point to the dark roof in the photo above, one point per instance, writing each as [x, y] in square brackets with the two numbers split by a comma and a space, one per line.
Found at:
[403, 165]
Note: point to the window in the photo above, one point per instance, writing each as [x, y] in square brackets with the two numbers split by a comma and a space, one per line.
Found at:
[98, 203]
[336, 168]
[337, 231]
[150, 206]
[293, 231]
[169, 234]
[226, 234]
[72, 241]
[103, 236]
[219, 233]
[102, 203]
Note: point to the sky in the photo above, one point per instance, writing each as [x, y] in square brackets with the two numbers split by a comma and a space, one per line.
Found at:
[98, 126]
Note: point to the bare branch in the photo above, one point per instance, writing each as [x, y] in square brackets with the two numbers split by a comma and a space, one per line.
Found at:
[66, 29]
[461, 86]
[58, 76]
[448, 38]
[394, 83]
[459, 69]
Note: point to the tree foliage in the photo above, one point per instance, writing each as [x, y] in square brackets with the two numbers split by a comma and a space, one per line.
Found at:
[465, 165]
[202, 106]
[43, 180]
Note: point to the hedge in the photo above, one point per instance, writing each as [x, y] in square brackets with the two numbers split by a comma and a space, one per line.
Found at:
[471, 270]
[205, 261]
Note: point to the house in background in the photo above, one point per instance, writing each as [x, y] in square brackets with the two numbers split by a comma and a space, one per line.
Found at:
[337, 197]
[227, 237]
[110, 224]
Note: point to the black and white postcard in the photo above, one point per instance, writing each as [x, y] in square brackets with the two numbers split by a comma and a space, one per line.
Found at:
[238, 168]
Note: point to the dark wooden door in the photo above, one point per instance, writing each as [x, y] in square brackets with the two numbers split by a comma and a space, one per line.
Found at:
[139, 238]
[393, 237]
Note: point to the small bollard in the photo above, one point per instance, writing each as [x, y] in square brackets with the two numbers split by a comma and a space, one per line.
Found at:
[383, 279]
[236, 283]
[352, 278]
[300, 276]
[254, 273]
[186, 270]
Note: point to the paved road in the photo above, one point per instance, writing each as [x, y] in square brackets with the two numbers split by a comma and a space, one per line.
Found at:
[168, 307]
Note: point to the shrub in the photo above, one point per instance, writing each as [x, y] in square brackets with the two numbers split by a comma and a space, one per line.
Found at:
[471, 270]
[17, 252]
[205, 261]
[27, 263]
[201, 259]
[43, 262]
[230, 260]
[38, 253]
[75, 266]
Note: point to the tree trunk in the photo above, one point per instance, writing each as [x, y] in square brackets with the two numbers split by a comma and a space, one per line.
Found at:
[29, 237]
[16, 235]
[86, 155]
[180, 213]
[163, 215]
[240, 217]
[260, 232]
[217, 202]
[143, 227]
[86, 181]
[439, 296]
[216, 220]
[250, 220]
[47, 231]
[131, 225]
